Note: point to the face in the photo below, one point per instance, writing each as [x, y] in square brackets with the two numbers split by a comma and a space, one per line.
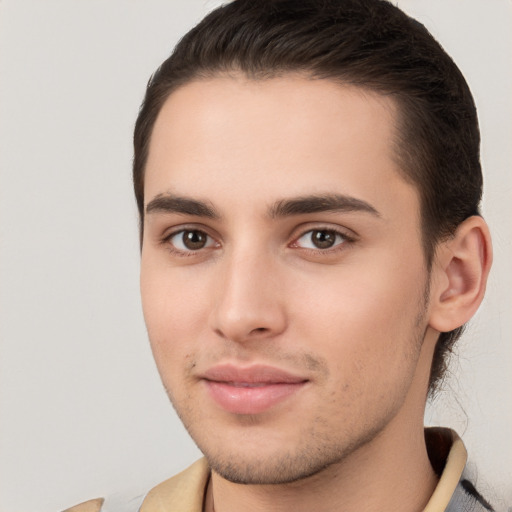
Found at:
[283, 279]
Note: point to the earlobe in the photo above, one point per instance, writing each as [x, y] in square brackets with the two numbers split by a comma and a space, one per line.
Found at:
[460, 274]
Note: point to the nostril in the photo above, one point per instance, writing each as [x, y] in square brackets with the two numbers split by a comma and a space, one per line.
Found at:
[259, 330]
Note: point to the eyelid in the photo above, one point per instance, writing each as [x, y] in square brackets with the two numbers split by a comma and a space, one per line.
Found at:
[170, 230]
[306, 227]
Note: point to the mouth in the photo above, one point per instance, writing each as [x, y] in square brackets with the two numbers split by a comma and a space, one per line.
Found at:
[250, 390]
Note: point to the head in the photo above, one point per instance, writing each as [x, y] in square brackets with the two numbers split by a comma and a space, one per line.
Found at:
[382, 73]
[369, 44]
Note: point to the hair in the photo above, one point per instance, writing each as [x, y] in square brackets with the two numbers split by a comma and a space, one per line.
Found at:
[365, 43]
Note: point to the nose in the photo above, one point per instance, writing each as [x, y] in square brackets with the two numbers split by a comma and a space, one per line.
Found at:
[249, 299]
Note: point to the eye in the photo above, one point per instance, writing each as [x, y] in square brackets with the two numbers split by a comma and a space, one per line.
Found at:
[188, 240]
[320, 239]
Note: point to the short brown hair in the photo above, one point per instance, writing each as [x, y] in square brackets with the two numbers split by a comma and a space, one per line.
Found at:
[367, 43]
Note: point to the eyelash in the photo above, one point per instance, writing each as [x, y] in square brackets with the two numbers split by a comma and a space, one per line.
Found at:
[339, 245]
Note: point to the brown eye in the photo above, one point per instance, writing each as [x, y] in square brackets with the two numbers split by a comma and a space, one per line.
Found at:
[191, 240]
[194, 240]
[320, 239]
[323, 239]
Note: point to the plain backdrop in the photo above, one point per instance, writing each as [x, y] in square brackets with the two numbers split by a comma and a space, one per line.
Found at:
[83, 413]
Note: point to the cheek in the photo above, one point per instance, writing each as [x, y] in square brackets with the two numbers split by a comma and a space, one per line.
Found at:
[364, 319]
[174, 312]
[372, 348]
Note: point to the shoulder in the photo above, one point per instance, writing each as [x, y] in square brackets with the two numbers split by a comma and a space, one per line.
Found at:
[466, 497]
[183, 492]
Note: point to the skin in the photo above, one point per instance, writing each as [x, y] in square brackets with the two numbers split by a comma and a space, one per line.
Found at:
[354, 320]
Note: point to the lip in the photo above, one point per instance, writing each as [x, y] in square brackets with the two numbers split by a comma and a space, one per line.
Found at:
[250, 390]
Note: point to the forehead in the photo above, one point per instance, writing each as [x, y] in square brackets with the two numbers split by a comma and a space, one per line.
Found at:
[280, 136]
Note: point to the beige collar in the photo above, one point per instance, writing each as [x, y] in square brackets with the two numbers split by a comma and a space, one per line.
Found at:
[181, 493]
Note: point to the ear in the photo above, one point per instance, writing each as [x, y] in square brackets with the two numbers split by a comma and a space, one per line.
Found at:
[459, 275]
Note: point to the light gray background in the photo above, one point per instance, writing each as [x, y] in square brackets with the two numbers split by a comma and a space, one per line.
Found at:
[83, 413]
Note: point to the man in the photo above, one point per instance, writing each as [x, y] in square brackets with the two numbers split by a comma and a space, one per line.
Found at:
[308, 182]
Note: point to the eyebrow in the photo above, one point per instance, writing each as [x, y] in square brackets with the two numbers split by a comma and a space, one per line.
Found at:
[320, 203]
[170, 203]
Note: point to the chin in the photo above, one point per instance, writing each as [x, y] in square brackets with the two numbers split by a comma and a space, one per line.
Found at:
[274, 463]
[285, 469]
